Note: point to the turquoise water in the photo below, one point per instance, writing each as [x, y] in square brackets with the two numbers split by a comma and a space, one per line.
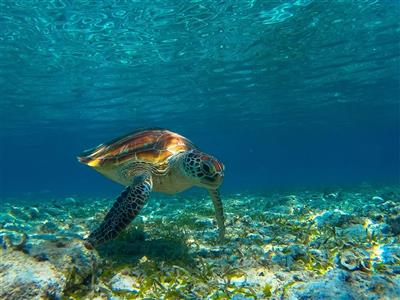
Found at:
[289, 93]
[298, 98]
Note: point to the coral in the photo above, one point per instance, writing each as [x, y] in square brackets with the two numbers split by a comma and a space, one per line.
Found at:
[23, 277]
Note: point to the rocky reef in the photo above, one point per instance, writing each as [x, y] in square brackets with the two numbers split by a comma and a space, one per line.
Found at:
[320, 244]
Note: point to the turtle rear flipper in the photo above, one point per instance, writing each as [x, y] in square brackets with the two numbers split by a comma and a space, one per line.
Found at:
[219, 212]
[124, 210]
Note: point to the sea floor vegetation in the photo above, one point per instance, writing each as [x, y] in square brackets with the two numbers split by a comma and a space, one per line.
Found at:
[308, 244]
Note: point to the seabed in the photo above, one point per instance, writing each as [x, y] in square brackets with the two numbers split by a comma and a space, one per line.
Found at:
[309, 244]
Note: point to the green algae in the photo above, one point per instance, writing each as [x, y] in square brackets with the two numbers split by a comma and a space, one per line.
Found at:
[267, 290]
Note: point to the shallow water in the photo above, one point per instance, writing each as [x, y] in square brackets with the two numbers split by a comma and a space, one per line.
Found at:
[291, 93]
[299, 99]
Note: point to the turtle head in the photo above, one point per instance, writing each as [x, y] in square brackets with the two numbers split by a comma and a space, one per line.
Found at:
[205, 170]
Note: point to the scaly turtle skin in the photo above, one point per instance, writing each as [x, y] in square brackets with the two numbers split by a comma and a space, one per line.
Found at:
[151, 160]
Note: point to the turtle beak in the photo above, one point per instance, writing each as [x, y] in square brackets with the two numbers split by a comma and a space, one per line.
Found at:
[213, 182]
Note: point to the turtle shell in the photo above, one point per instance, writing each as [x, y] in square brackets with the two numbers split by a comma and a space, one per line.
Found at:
[152, 146]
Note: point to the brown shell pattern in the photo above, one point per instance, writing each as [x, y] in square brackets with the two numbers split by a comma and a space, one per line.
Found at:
[152, 146]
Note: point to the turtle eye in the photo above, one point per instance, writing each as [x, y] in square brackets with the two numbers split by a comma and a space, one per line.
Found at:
[207, 167]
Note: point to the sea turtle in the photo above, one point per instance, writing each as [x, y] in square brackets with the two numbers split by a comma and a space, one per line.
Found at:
[151, 160]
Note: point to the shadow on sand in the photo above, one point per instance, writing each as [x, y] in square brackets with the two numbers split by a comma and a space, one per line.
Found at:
[130, 247]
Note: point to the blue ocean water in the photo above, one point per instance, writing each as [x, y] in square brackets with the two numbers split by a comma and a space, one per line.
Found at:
[299, 99]
[286, 93]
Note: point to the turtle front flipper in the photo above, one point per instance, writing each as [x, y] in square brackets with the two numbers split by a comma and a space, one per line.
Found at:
[124, 210]
[219, 212]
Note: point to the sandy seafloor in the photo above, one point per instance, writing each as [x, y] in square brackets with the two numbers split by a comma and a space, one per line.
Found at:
[305, 244]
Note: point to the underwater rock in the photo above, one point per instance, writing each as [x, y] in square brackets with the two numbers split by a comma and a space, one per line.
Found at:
[123, 283]
[70, 234]
[246, 220]
[210, 252]
[296, 250]
[388, 205]
[286, 257]
[279, 201]
[205, 223]
[233, 259]
[6, 219]
[8, 239]
[394, 224]
[256, 250]
[18, 212]
[282, 260]
[209, 235]
[389, 254]
[47, 237]
[366, 209]
[381, 229]
[241, 297]
[375, 286]
[330, 286]
[332, 218]
[33, 213]
[320, 254]
[69, 201]
[347, 260]
[352, 260]
[14, 241]
[355, 232]
[54, 211]
[251, 238]
[340, 284]
[267, 239]
[266, 230]
[282, 209]
[332, 196]
[16, 227]
[239, 281]
[75, 228]
[377, 199]
[70, 257]
[48, 227]
[23, 277]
